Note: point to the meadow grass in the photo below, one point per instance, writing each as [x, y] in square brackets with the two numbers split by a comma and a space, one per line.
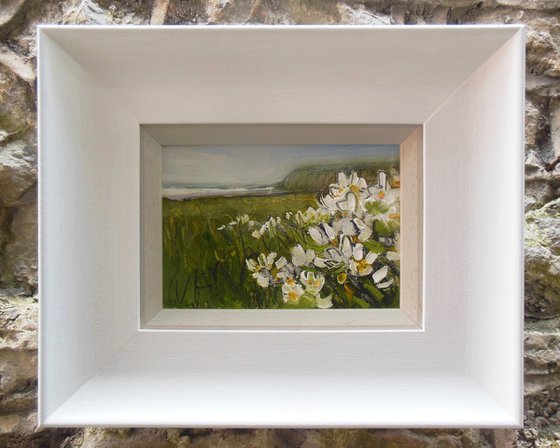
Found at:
[204, 267]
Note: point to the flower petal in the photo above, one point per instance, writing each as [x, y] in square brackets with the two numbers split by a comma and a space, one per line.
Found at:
[385, 284]
[251, 264]
[331, 234]
[371, 257]
[317, 235]
[281, 262]
[262, 280]
[329, 202]
[298, 255]
[382, 179]
[348, 228]
[391, 196]
[324, 302]
[349, 204]
[309, 256]
[320, 262]
[393, 256]
[358, 252]
[346, 248]
[365, 234]
[380, 274]
[270, 259]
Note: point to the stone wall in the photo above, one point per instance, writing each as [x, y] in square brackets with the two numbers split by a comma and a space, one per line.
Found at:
[18, 210]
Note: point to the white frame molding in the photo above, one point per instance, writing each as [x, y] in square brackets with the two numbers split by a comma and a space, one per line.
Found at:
[154, 316]
[463, 84]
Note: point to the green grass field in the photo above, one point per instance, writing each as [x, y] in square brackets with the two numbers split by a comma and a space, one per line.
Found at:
[204, 267]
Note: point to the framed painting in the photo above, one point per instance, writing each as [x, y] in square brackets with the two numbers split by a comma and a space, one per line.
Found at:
[324, 261]
[257, 234]
[273, 227]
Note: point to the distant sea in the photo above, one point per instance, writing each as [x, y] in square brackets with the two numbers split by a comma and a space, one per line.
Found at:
[179, 194]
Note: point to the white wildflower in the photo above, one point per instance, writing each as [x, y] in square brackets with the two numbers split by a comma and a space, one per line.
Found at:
[333, 257]
[301, 257]
[323, 234]
[313, 282]
[281, 263]
[361, 263]
[291, 292]
[349, 204]
[345, 183]
[354, 228]
[263, 262]
[324, 302]
[262, 278]
[380, 275]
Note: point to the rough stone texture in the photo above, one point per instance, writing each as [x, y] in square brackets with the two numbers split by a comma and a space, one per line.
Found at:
[534, 124]
[18, 354]
[17, 172]
[555, 125]
[542, 258]
[18, 222]
[542, 47]
[21, 256]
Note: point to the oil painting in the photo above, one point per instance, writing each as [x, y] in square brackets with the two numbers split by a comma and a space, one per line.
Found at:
[281, 227]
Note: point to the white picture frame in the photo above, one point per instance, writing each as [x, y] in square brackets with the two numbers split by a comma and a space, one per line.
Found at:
[464, 85]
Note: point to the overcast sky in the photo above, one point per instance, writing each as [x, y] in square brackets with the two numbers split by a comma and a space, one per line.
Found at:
[258, 165]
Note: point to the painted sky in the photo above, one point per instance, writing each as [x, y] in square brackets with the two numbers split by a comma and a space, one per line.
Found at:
[259, 165]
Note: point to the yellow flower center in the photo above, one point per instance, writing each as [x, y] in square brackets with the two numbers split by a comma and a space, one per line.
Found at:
[354, 189]
[293, 296]
[394, 215]
[312, 282]
[290, 282]
[341, 278]
[381, 194]
[362, 266]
